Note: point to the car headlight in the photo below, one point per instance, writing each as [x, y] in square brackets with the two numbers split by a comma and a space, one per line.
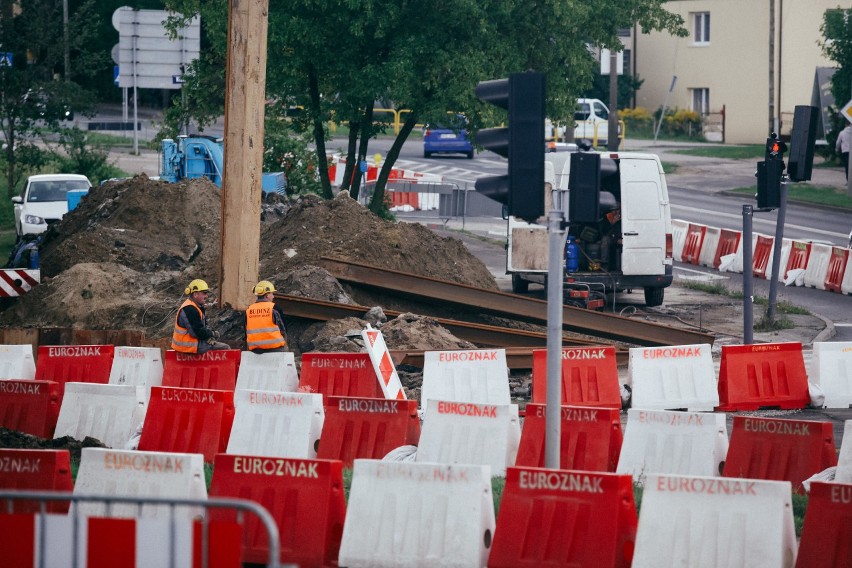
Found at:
[33, 220]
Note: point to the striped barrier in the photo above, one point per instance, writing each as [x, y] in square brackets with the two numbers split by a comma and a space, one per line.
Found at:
[16, 282]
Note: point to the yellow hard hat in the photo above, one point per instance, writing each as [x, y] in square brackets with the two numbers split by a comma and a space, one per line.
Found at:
[263, 288]
[196, 285]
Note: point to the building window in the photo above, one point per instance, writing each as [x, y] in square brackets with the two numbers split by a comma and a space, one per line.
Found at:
[701, 27]
[701, 101]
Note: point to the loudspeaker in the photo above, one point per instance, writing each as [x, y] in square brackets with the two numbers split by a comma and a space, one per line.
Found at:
[802, 139]
[584, 187]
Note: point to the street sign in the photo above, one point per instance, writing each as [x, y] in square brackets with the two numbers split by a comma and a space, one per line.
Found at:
[846, 111]
[177, 80]
[6, 59]
[115, 74]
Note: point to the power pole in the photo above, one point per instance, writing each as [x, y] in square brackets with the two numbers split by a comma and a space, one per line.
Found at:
[772, 66]
[245, 96]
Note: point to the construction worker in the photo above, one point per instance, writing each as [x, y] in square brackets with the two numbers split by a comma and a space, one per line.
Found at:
[191, 333]
[265, 332]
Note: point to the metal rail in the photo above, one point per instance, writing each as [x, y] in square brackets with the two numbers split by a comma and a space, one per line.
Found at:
[578, 320]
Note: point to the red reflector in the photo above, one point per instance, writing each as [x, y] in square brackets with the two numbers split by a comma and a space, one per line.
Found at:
[578, 294]
[595, 304]
[669, 246]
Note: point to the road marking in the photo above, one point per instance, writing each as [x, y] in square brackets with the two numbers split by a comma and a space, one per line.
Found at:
[689, 270]
[758, 220]
[842, 324]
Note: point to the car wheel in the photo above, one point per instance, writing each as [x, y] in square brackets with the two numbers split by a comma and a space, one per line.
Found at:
[654, 297]
[427, 154]
[470, 155]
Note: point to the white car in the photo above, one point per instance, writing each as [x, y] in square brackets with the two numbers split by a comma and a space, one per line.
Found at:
[45, 201]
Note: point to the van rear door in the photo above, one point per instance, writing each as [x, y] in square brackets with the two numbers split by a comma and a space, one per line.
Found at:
[644, 217]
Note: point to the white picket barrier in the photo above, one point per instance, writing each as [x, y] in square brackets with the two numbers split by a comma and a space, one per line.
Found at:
[846, 283]
[276, 424]
[709, 246]
[817, 268]
[17, 362]
[467, 433]
[268, 372]
[679, 230]
[109, 413]
[715, 523]
[480, 376]
[844, 460]
[831, 368]
[138, 366]
[673, 443]
[140, 474]
[786, 245]
[418, 515]
[668, 378]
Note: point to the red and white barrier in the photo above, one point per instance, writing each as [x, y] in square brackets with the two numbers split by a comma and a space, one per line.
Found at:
[276, 424]
[16, 282]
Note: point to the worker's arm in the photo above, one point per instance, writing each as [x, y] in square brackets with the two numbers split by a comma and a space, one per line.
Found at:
[195, 324]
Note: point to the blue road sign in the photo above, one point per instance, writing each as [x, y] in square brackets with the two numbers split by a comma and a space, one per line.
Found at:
[115, 74]
[177, 80]
[6, 59]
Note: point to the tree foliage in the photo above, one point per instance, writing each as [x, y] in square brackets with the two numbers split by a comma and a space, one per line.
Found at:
[836, 29]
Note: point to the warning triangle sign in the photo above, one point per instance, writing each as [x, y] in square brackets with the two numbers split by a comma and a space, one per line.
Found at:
[371, 336]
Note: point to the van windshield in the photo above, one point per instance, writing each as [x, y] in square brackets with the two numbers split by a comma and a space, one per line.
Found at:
[45, 191]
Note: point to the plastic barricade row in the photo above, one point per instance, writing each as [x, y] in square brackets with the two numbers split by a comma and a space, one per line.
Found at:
[304, 497]
[763, 375]
[707, 256]
[367, 428]
[730, 242]
[276, 424]
[779, 449]
[590, 438]
[837, 263]
[417, 514]
[739, 258]
[693, 243]
[17, 362]
[36, 470]
[669, 378]
[30, 406]
[715, 522]
[268, 372]
[212, 370]
[679, 231]
[478, 376]
[589, 377]
[564, 518]
[467, 433]
[817, 268]
[675, 443]
[846, 283]
[832, 370]
[827, 530]
[799, 255]
[843, 473]
[188, 420]
[339, 374]
[139, 474]
[74, 363]
[762, 258]
[109, 413]
[138, 366]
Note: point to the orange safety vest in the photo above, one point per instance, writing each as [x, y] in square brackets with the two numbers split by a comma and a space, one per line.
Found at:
[182, 339]
[261, 331]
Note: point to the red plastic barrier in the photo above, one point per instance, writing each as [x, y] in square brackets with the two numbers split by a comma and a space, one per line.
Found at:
[564, 518]
[762, 254]
[224, 542]
[590, 438]
[799, 255]
[74, 363]
[196, 421]
[836, 268]
[763, 375]
[30, 406]
[36, 470]
[17, 539]
[827, 532]
[211, 370]
[339, 374]
[305, 497]
[367, 428]
[777, 449]
[729, 241]
[693, 243]
[589, 377]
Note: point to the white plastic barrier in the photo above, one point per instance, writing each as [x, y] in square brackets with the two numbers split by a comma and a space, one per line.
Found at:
[268, 372]
[675, 443]
[467, 433]
[17, 362]
[679, 230]
[715, 523]
[109, 413]
[138, 366]
[832, 370]
[738, 262]
[668, 378]
[844, 460]
[846, 283]
[817, 268]
[709, 246]
[480, 376]
[786, 245]
[140, 474]
[276, 424]
[417, 514]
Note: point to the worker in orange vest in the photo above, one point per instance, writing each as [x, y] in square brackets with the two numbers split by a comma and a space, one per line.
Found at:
[191, 334]
[265, 332]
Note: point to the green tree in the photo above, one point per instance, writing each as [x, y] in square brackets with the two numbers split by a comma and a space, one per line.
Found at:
[34, 96]
[836, 29]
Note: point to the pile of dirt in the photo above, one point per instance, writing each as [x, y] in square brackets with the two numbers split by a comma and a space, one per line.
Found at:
[121, 259]
[21, 441]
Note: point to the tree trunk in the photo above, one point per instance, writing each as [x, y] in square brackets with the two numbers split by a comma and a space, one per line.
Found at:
[354, 127]
[364, 135]
[319, 133]
[10, 160]
[377, 202]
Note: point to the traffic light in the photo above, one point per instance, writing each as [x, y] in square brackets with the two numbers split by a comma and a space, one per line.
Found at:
[802, 139]
[521, 142]
[769, 174]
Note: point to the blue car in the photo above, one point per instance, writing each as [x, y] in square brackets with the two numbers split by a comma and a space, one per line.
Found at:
[449, 138]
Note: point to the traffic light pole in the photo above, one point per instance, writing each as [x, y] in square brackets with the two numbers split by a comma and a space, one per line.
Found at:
[776, 251]
[748, 278]
[553, 407]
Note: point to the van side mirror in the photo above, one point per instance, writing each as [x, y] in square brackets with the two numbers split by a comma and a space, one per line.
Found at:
[17, 199]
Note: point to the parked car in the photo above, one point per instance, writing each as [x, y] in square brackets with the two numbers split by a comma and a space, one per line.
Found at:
[45, 201]
[448, 138]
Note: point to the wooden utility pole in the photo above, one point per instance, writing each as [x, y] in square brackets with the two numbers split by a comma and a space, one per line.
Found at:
[245, 96]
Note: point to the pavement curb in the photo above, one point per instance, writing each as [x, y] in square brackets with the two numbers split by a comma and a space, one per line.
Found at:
[826, 333]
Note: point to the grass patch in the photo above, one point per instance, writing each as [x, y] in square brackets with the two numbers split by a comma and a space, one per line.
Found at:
[818, 194]
[777, 324]
[7, 243]
[751, 151]
[783, 307]
[107, 140]
[670, 167]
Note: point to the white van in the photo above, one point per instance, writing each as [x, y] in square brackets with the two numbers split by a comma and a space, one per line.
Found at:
[45, 201]
[591, 122]
[628, 246]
